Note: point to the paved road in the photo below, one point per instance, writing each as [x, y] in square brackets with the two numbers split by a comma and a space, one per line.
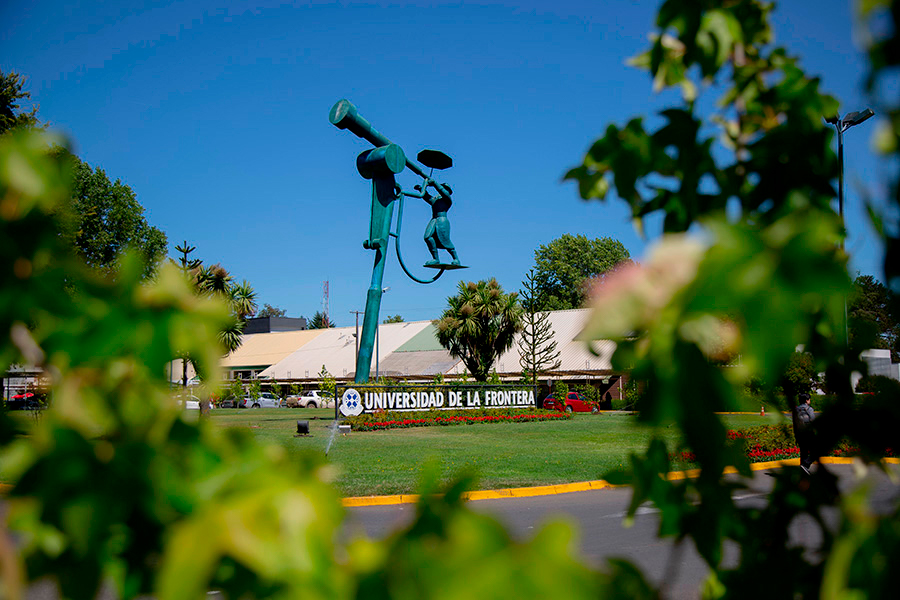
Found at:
[598, 516]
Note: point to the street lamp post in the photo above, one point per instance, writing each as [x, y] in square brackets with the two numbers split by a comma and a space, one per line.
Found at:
[841, 125]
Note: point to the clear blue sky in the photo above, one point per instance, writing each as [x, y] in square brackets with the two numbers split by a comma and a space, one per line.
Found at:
[217, 117]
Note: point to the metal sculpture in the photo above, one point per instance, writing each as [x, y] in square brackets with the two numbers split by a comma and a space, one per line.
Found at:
[381, 164]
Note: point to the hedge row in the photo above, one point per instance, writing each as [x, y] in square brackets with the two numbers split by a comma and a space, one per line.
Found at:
[394, 420]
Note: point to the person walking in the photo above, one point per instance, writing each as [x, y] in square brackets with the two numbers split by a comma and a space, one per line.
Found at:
[803, 416]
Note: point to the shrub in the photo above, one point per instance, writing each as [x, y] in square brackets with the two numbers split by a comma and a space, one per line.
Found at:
[560, 390]
[879, 385]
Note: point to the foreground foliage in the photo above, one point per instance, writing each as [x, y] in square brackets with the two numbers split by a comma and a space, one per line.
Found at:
[114, 485]
[769, 278]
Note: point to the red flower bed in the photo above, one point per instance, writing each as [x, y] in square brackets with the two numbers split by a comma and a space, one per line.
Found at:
[458, 420]
[768, 443]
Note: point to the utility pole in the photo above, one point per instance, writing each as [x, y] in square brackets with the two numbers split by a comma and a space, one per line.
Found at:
[357, 313]
[325, 302]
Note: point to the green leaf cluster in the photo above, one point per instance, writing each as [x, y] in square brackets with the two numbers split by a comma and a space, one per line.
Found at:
[873, 322]
[327, 382]
[746, 293]
[271, 311]
[12, 90]
[565, 268]
[104, 219]
[768, 125]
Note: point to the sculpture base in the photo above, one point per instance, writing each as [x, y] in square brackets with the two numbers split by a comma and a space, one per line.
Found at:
[447, 266]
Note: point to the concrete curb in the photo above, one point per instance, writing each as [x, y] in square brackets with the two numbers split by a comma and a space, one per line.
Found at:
[582, 486]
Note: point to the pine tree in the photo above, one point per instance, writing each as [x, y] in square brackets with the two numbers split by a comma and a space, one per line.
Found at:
[537, 349]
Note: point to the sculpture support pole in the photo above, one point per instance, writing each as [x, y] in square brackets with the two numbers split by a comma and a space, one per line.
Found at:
[383, 196]
[370, 321]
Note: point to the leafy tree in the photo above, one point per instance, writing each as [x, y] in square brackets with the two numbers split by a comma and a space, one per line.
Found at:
[327, 382]
[254, 390]
[565, 268]
[319, 321]
[12, 90]
[393, 319]
[799, 376]
[871, 314]
[104, 219]
[479, 325]
[270, 311]
[560, 390]
[234, 390]
[537, 348]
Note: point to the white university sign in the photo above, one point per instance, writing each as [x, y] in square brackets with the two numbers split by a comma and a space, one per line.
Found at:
[353, 403]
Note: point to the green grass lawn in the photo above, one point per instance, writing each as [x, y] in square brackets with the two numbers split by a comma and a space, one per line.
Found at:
[502, 455]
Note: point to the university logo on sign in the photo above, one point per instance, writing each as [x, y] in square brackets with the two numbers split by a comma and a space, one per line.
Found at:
[351, 403]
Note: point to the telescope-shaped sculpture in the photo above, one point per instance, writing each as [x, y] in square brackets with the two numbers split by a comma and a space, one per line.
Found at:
[381, 165]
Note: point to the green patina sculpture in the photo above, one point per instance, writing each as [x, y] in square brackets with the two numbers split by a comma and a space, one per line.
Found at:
[437, 232]
[381, 165]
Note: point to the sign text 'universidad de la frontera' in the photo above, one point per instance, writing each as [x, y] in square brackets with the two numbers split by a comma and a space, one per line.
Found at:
[371, 401]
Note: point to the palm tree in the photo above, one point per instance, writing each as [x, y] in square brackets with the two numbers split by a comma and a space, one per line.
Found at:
[479, 325]
[241, 298]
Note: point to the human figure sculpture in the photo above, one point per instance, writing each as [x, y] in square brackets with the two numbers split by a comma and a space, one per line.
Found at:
[437, 233]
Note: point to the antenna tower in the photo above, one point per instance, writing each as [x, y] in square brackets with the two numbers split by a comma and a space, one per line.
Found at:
[325, 301]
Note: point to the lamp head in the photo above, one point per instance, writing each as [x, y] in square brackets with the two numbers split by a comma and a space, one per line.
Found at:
[856, 117]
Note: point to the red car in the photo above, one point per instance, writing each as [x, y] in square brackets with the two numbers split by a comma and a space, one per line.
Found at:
[575, 402]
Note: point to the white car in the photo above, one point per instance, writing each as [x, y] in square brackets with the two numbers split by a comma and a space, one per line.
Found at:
[192, 402]
[313, 399]
[265, 400]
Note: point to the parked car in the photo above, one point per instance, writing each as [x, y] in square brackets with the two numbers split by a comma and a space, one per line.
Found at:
[190, 402]
[575, 402]
[26, 401]
[313, 399]
[265, 400]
